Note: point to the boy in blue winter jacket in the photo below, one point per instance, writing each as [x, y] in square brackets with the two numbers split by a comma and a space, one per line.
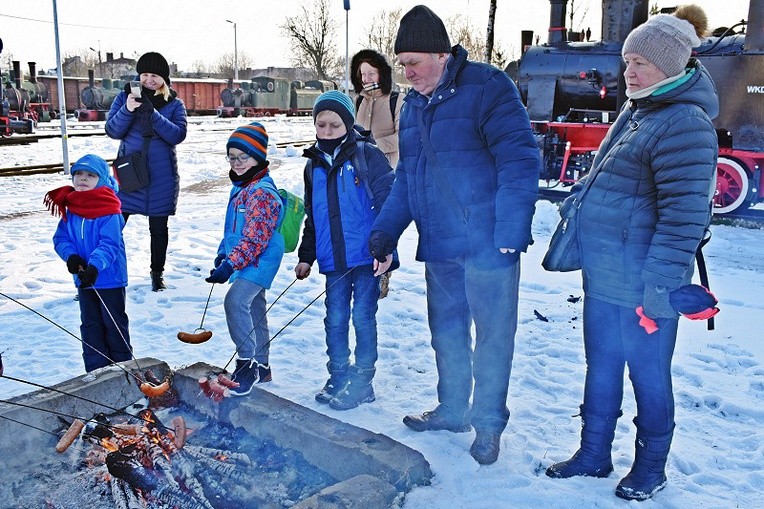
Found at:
[250, 253]
[89, 240]
[346, 182]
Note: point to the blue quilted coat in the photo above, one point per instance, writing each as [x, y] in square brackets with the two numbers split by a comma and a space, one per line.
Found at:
[483, 145]
[160, 197]
[649, 204]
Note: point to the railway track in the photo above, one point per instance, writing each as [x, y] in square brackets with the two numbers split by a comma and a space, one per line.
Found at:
[26, 139]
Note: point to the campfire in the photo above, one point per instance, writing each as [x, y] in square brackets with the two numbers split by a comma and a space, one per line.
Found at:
[197, 453]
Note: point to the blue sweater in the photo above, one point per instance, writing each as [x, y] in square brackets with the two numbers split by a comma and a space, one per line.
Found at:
[160, 197]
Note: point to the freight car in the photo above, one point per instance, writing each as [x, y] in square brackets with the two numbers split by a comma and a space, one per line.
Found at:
[200, 95]
[574, 90]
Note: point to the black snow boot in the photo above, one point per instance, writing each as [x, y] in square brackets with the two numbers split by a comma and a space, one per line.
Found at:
[357, 390]
[648, 473]
[593, 457]
[157, 281]
[338, 377]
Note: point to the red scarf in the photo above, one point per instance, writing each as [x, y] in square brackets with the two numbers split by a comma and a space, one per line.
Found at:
[97, 202]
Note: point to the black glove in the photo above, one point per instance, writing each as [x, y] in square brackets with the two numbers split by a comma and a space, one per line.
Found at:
[88, 276]
[380, 245]
[218, 260]
[221, 274]
[146, 107]
[75, 263]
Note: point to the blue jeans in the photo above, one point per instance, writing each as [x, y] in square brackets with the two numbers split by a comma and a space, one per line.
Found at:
[363, 287]
[613, 338]
[245, 314]
[458, 294]
[102, 342]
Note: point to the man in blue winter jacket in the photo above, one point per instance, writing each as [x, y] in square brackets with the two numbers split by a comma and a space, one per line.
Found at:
[468, 177]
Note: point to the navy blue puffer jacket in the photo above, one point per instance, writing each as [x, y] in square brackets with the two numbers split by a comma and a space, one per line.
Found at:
[649, 203]
[482, 140]
[160, 197]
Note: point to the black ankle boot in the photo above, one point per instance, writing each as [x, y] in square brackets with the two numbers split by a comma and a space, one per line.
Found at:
[157, 281]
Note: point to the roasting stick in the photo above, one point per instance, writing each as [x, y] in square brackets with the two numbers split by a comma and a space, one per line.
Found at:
[200, 335]
[112, 361]
[116, 326]
[147, 388]
[220, 386]
[117, 427]
[29, 425]
[53, 389]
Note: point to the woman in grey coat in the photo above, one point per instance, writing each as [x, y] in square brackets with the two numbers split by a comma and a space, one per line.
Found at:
[641, 222]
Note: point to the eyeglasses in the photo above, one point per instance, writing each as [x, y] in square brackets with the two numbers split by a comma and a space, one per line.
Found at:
[242, 158]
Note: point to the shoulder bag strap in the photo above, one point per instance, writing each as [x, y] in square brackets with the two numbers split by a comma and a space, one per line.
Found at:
[440, 179]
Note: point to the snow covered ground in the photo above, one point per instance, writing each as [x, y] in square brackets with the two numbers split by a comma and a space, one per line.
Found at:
[718, 452]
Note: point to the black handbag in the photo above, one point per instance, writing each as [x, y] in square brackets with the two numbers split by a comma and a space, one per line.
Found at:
[564, 253]
[132, 171]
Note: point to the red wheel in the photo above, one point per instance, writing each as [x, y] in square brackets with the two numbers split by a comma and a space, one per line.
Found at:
[732, 186]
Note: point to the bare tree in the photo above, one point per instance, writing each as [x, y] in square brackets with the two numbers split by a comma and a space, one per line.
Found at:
[461, 31]
[313, 34]
[224, 65]
[489, 33]
[381, 34]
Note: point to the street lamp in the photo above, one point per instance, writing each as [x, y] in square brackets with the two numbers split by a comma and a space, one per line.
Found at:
[235, 52]
[99, 56]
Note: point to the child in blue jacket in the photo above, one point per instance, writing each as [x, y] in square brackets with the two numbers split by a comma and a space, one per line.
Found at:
[250, 253]
[346, 182]
[89, 240]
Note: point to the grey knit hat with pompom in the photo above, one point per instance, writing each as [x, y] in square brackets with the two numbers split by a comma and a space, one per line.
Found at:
[667, 40]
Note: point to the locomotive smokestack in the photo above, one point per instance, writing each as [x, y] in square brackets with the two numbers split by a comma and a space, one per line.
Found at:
[754, 33]
[619, 17]
[32, 71]
[557, 33]
[91, 78]
[17, 74]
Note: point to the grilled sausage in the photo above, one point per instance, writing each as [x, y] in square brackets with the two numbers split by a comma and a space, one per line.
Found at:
[72, 433]
[195, 338]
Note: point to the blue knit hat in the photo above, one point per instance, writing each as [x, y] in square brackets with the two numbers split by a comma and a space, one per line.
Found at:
[339, 103]
[251, 139]
[91, 163]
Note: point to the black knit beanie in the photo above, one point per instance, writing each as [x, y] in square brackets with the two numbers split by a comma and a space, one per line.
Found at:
[422, 31]
[154, 63]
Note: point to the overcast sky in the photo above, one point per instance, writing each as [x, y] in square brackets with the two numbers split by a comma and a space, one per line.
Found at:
[186, 31]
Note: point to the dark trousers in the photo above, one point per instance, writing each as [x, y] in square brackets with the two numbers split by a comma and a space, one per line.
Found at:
[360, 286]
[103, 328]
[613, 339]
[460, 292]
[159, 239]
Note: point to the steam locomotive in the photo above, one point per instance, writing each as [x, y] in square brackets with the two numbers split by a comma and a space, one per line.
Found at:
[573, 91]
[268, 96]
[22, 103]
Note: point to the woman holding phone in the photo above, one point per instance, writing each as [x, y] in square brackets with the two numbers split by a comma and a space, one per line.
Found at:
[149, 114]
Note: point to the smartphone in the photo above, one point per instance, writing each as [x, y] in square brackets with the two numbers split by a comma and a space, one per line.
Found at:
[135, 88]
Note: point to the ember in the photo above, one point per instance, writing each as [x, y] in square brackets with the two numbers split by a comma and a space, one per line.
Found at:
[127, 465]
